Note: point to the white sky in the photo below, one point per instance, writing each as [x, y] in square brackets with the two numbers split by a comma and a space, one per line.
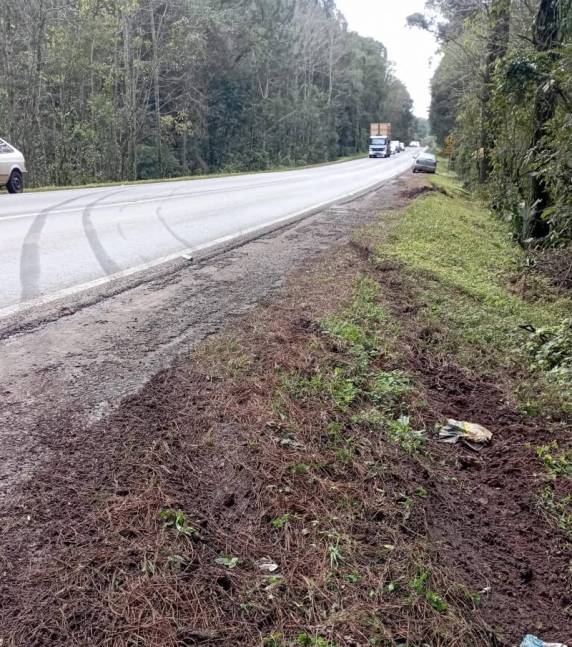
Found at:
[412, 51]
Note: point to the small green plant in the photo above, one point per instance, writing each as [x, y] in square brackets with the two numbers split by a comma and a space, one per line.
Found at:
[227, 561]
[400, 432]
[301, 468]
[274, 640]
[393, 586]
[280, 522]
[556, 461]
[354, 577]
[335, 386]
[334, 551]
[388, 388]
[306, 640]
[178, 521]
[559, 509]
[419, 585]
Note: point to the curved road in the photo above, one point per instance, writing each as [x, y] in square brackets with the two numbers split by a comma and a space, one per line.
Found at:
[58, 243]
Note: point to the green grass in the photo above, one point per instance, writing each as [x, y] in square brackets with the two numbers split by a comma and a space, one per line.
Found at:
[186, 178]
[466, 265]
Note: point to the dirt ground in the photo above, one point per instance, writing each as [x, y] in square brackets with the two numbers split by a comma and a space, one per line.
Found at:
[86, 558]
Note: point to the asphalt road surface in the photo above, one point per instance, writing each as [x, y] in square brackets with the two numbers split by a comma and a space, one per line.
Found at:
[53, 244]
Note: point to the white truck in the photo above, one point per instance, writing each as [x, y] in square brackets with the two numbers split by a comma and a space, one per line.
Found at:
[379, 140]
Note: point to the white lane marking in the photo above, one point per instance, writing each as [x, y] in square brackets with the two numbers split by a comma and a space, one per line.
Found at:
[75, 289]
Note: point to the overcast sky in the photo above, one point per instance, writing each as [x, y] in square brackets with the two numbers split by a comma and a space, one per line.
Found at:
[412, 51]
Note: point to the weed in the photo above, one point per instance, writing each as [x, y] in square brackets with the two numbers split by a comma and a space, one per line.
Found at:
[227, 561]
[419, 585]
[388, 388]
[556, 461]
[334, 551]
[306, 640]
[349, 332]
[301, 468]
[280, 522]
[354, 577]
[177, 520]
[274, 640]
[558, 509]
[334, 386]
[401, 433]
[345, 454]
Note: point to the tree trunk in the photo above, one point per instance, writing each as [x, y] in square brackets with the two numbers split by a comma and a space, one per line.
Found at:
[496, 50]
[156, 89]
[546, 39]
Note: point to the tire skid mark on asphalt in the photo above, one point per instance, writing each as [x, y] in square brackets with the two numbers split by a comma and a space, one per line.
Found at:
[186, 244]
[30, 266]
[108, 265]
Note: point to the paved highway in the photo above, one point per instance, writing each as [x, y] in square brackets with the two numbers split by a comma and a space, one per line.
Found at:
[56, 243]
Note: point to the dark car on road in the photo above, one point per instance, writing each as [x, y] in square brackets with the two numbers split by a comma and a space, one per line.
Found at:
[425, 163]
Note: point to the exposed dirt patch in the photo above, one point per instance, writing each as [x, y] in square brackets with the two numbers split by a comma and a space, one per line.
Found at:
[556, 264]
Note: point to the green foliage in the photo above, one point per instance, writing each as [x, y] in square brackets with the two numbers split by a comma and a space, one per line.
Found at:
[334, 386]
[557, 509]
[506, 99]
[227, 561]
[401, 433]
[551, 348]
[177, 520]
[419, 585]
[141, 95]
[280, 522]
[307, 640]
[388, 388]
[556, 461]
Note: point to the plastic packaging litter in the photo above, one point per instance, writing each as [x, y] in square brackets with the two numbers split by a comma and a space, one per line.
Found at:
[470, 434]
[533, 641]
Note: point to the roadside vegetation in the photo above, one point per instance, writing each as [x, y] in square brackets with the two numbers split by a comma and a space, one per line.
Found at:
[285, 487]
[141, 89]
[501, 108]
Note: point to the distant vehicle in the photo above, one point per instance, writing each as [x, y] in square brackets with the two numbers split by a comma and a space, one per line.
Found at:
[401, 147]
[425, 163]
[380, 135]
[12, 168]
[415, 144]
[395, 147]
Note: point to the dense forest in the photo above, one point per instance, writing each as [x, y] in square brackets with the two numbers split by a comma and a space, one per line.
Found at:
[95, 90]
[502, 106]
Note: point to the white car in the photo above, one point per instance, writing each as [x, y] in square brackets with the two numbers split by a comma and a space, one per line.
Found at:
[12, 168]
